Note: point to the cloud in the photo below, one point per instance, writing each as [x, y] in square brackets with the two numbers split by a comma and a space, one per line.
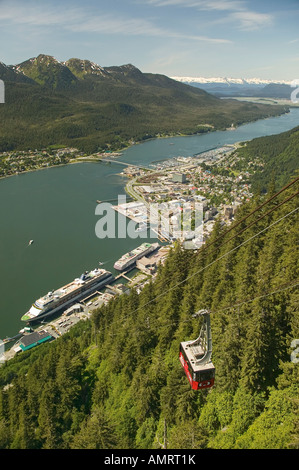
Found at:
[109, 24]
[88, 21]
[220, 5]
[35, 15]
[250, 20]
[238, 12]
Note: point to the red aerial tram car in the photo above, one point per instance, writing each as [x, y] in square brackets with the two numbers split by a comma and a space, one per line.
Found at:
[195, 357]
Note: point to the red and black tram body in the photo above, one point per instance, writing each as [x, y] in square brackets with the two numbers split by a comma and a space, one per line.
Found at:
[201, 375]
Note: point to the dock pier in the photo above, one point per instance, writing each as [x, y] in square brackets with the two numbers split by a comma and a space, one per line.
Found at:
[13, 338]
[114, 200]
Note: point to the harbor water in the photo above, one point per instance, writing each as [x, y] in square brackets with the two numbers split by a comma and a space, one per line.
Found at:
[56, 208]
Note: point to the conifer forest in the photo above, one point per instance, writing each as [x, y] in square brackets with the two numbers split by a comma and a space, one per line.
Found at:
[116, 382]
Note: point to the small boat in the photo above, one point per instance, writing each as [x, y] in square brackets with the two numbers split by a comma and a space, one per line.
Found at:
[30, 242]
[100, 263]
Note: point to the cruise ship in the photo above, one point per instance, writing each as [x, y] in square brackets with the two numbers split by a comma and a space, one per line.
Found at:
[130, 258]
[67, 295]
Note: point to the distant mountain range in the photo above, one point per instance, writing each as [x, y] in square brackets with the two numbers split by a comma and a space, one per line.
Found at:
[230, 81]
[225, 86]
[80, 103]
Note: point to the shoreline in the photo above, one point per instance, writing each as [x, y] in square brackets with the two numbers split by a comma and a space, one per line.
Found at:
[93, 159]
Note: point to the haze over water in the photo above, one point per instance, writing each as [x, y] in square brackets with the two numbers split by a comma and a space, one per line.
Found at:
[56, 208]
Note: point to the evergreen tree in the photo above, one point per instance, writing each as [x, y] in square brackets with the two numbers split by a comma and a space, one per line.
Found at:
[96, 432]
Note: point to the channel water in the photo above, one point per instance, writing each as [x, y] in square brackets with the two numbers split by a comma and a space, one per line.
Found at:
[56, 207]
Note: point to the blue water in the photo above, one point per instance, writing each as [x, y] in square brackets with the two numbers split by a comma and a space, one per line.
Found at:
[56, 208]
[159, 149]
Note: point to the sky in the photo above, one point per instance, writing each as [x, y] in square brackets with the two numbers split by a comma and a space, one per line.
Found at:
[194, 38]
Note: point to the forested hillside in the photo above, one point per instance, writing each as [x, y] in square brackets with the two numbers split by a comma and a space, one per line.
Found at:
[279, 155]
[116, 382]
[80, 104]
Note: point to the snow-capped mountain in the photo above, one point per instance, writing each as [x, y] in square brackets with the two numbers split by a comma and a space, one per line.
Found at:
[240, 87]
[229, 81]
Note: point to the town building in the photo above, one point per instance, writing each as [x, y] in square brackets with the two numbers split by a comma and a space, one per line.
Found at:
[179, 177]
[33, 339]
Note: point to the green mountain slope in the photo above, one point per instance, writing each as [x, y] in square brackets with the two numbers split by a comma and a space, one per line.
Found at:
[115, 382]
[78, 103]
[12, 74]
[45, 70]
[279, 155]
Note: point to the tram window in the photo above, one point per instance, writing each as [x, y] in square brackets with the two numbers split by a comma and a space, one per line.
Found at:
[207, 374]
[199, 356]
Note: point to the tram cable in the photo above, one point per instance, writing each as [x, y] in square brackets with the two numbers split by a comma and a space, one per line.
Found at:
[237, 234]
[218, 259]
[195, 355]
[252, 212]
[252, 223]
[284, 287]
[211, 263]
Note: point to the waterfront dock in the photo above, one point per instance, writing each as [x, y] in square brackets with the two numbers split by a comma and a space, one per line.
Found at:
[56, 327]
[113, 200]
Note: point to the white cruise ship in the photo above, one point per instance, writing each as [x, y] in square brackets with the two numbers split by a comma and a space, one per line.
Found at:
[67, 295]
[131, 257]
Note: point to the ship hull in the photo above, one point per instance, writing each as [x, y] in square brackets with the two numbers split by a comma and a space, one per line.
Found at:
[68, 303]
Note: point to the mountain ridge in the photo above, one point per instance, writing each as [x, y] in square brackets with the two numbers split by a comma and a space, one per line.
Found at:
[231, 80]
[79, 103]
[37, 68]
[238, 87]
